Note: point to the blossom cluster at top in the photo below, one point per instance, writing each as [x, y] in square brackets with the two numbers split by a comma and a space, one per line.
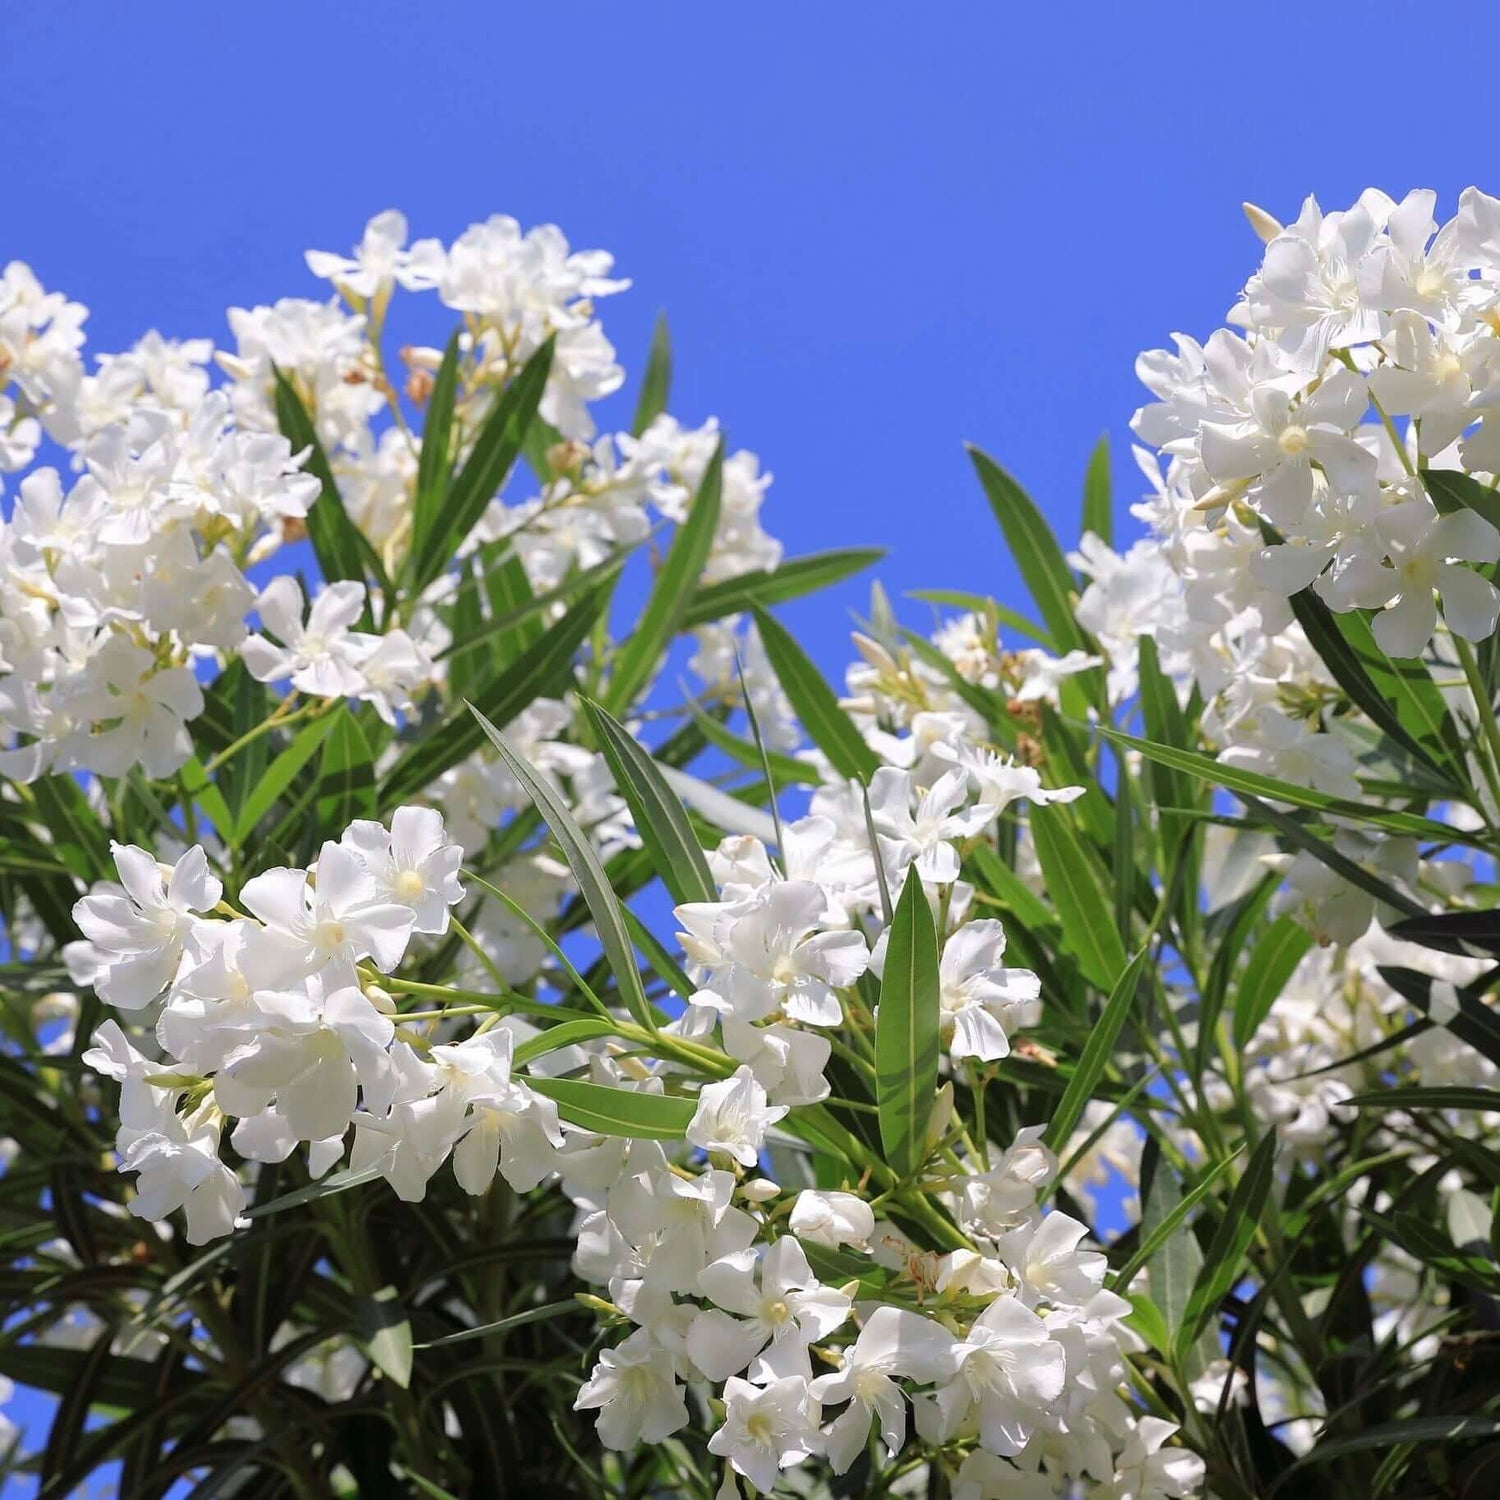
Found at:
[123, 563]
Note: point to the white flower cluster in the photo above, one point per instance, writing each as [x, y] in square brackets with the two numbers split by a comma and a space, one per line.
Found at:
[1306, 447]
[123, 589]
[1354, 320]
[1011, 1353]
[264, 1017]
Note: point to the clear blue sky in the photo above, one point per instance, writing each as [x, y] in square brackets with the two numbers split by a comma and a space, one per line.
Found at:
[878, 231]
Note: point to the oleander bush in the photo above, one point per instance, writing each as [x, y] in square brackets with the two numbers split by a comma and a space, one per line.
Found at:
[484, 1016]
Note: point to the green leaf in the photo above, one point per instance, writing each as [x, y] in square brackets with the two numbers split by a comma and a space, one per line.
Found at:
[588, 871]
[1164, 1227]
[324, 1187]
[660, 819]
[484, 473]
[493, 631]
[503, 1325]
[1272, 961]
[906, 1031]
[1447, 1096]
[339, 545]
[544, 669]
[280, 774]
[815, 703]
[1469, 933]
[1474, 1022]
[1098, 514]
[607, 1110]
[1096, 1054]
[981, 604]
[656, 383]
[1452, 490]
[208, 796]
[385, 1332]
[346, 774]
[1035, 550]
[789, 580]
[569, 1034]
[785, 770]
[428, 1487]
[1000, 881]
[1077, 889]
[1401, 698]
[659, 620]
[1226, 1252]
[73, 1408]
[1177, 1261]
[1242, 782]
[1444, 1429]
[434, 463]
[1322, 850]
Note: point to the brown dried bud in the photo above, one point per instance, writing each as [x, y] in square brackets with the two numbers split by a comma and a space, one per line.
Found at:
[564, 457]
[1028, 751]
[419, 387]
[293, 529]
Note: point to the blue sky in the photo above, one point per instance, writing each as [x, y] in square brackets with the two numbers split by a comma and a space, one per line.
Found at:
[878, 233]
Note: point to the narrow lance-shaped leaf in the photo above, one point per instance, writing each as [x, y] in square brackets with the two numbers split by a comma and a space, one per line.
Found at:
[385, 1332]
[1251, 783]
[1077, 890]
[434, 463]
[588, 871]
[1096, 1053]
[791, 579]
[483, 475]
[614, 1111]
[1177, 1261]
[544, 669]
[1223, 1262]
[680, 572]
[339, 545]
[1272, 961]
[906, 1030]
[815, 704]
[1035, 550]
[1166, 1225]
[1401, 698]
[1098, 515]
[660, 818]
[656, 383]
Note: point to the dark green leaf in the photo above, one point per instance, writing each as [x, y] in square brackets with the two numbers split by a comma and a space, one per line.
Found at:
[544, 669]
[1096, 1055]
[1098, 515]
[1222, 1266]
[790, 580]
[815, 703]
[434, 463]
[483, 475]
[1077, 889]
[1271, 964]
[339, 545]
[607, 1110]
[1035, 550]
[659, 621]
[656, 383]
[588, 871]
[660, 819]
[906, 1031]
